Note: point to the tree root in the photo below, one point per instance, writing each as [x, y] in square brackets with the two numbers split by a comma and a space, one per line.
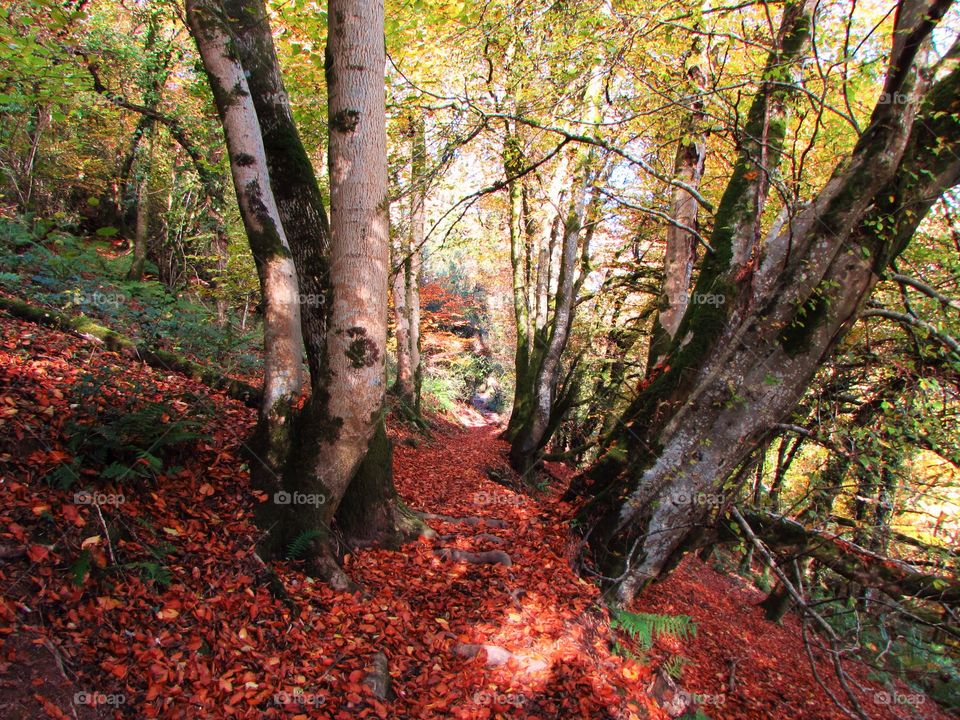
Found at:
[490, 557]
[378, 678]
[497, 656]
[480, 537]
[471, 520]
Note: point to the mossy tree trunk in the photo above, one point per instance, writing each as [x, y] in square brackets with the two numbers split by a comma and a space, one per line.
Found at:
[326, 469]
[737, 368]
[283, 380]
[533, 424]
[513, 155]
[414, 268]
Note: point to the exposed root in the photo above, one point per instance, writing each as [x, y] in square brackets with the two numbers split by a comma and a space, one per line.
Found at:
[479, 537]
[497, 656]
[378, 678]
[490, 557]
[471, 520]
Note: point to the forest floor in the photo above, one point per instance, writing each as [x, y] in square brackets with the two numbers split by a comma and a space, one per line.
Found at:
[152, 603]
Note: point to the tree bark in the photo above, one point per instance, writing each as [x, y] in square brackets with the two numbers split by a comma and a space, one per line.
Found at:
[519, 254]
[418, 198]
[680, 252]
[406, 281]
[283, 381]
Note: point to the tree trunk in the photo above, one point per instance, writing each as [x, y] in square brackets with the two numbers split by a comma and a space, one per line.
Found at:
[530, 431]
[401, 272]
[142, 229]
[283, 380]
[355, 481]
[681, 246]
[335, 433]
[406, 281]
[519, 253]
[737, 368]
[418, 197]
[531, 434]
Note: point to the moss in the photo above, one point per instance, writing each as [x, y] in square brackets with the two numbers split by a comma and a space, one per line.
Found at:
[362, 351]
[345, 120]
[795, 338]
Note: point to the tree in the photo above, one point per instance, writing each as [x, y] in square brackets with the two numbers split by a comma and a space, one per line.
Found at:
[738, 366]
[325, 468]
[406, 278]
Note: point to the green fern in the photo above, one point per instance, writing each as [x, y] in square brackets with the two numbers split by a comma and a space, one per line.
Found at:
[301, 543]
[674, 666]
[647, 627]
[81, 568]
[154, 572]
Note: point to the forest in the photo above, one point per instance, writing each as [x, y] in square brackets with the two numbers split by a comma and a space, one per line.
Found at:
[432, 359]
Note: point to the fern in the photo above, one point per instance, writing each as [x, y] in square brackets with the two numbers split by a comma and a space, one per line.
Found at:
[81, 568]
[647, 627]
[674, 666]
[301, 543]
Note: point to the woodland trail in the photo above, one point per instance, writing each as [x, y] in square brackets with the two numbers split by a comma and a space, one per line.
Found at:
[158, 606]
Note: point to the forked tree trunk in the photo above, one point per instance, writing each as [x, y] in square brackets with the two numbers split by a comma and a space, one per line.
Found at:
[738, 368]
[336, 438]
[532, 433]
[359, 502]
[532, 429]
